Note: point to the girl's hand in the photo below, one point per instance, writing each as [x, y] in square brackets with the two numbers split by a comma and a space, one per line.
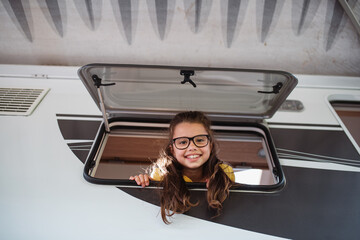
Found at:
[141, 179]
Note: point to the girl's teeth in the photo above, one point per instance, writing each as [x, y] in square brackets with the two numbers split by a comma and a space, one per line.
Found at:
[193, 156]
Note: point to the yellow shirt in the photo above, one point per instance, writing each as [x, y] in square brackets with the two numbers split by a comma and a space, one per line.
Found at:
[156, 174]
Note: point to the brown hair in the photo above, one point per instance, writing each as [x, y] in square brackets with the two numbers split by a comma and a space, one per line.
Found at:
[175, 196]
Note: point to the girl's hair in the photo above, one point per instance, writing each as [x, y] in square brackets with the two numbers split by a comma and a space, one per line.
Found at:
[175, 196]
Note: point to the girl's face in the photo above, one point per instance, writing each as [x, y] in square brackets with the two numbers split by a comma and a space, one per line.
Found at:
[191, 157]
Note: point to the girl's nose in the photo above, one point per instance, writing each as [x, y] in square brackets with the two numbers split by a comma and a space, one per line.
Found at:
[192, 145]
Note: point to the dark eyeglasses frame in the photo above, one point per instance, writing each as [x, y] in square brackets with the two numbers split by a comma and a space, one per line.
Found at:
[192, 139]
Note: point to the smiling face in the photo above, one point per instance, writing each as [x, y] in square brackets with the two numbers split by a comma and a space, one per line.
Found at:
[192, 157]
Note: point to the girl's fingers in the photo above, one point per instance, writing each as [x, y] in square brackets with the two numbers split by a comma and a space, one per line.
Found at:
[146, 177]
[137, 180]
[141, 179]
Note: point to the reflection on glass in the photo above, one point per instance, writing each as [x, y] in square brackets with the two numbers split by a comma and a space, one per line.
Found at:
[129, 153]
[349, 112]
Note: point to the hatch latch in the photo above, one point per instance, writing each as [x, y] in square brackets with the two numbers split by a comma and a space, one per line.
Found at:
[98, 83]
[187, 74]
[276, 89]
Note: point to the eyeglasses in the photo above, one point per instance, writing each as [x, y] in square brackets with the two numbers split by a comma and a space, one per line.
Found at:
[182, 143]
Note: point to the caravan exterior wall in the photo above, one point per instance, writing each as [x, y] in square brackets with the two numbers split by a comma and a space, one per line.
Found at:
[44, 195]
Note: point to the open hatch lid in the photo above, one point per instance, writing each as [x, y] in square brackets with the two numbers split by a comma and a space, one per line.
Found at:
[224, 93]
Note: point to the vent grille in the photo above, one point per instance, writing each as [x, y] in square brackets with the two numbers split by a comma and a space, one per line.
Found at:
[20, 101]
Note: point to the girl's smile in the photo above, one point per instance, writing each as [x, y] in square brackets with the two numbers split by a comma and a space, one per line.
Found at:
[192, 157]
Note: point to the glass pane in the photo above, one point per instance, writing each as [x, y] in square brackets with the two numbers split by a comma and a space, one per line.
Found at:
[128, 153]
[229, 92]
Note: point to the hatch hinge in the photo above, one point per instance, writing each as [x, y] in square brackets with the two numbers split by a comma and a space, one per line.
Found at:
[276, 89]
[187, 74]
[275, 172]
[98, 84]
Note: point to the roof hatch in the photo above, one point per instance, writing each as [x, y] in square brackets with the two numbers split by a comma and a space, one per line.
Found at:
[219, 92]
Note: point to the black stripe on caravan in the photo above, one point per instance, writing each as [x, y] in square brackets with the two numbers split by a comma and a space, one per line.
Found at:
[299, 143]
[315, 204]
[81, 155]
[325, 144]
[78, 129]
[80, 149]
[329, 143]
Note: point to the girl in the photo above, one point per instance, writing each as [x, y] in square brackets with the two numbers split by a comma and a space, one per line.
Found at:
[190, 156]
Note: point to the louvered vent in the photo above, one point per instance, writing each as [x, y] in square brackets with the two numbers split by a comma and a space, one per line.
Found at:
[20, 101]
